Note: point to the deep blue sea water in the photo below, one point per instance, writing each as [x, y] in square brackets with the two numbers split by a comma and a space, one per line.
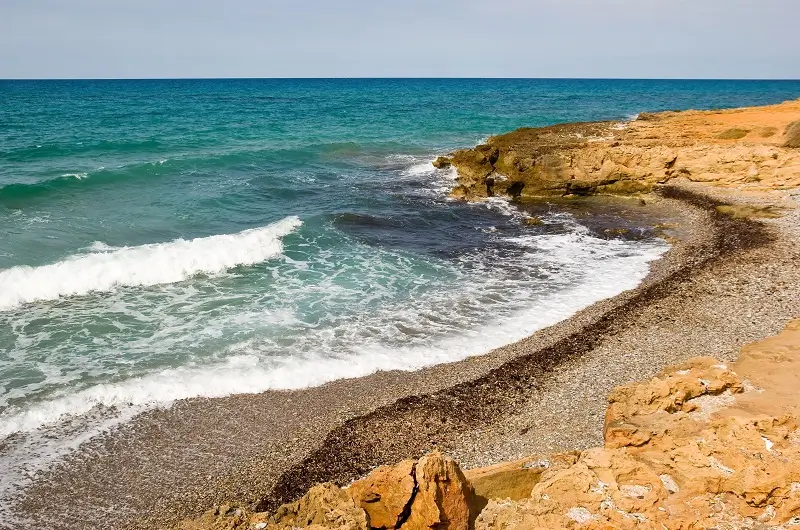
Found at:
[169, 239]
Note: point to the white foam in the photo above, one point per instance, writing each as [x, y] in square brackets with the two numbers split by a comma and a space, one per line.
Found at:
[145, 265]
[507, 208]
[438, 182]
[616, 266]
[502, 205]
[558, 276]
[421, 169]
[79, 176]
[99, 246]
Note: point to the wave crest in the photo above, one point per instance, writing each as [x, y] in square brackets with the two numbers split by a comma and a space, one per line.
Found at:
[157, 263]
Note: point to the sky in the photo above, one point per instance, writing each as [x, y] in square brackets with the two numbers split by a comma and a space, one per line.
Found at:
[412, 38]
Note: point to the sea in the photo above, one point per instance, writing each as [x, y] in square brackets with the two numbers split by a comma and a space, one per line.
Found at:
[171, 239]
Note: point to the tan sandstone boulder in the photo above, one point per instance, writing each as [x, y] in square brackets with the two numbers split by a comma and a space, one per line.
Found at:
[431, 493]
[444, 497]
[386, 493]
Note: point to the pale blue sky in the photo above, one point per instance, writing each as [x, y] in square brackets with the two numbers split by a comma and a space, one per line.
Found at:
[412, 38]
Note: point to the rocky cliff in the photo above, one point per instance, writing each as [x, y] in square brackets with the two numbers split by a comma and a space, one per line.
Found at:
[701, 445]
[753, 148]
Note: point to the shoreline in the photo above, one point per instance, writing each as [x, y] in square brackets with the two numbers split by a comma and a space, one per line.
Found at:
[473, 403]
[253, 465]
[729, 280]
[704, 443]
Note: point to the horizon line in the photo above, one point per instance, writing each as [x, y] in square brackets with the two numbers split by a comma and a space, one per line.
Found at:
[291, 78]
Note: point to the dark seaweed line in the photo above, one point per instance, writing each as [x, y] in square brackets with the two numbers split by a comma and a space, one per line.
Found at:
[413, 425]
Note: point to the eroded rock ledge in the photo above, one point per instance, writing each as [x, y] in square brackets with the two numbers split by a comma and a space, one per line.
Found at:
[754, 148]
[701, 445]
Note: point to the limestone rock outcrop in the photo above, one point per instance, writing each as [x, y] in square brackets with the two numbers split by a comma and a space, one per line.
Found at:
[441, 162]
[662, 407]
[731, 148]
[429, 494]
[701, 445]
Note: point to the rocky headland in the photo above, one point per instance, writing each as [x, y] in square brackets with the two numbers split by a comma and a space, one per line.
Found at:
[751, 148]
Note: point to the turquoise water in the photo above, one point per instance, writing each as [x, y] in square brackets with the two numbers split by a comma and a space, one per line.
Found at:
[171, 239]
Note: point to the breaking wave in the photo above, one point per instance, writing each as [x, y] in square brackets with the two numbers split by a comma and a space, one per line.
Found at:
[106, 268]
